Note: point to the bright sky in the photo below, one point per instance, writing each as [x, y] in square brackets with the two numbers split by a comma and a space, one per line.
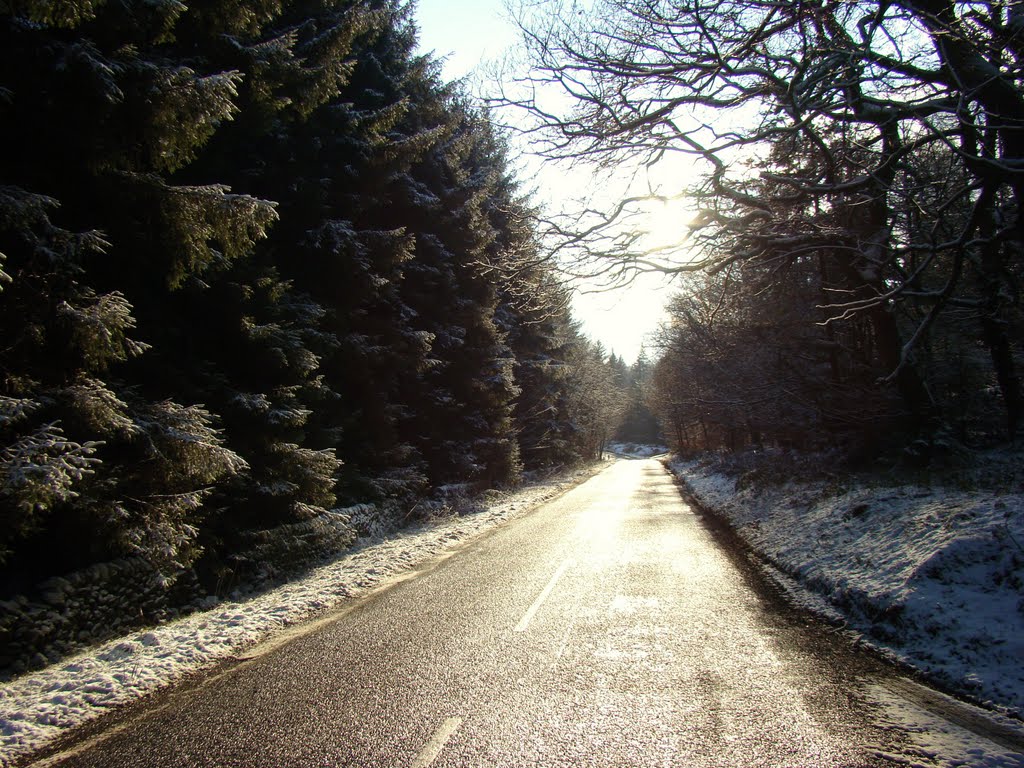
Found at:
[470, 31]
[465, 31]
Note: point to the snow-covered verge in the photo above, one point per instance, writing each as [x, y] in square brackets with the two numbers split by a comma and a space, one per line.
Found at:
[40, 706]
[636, 450]
[931, 576]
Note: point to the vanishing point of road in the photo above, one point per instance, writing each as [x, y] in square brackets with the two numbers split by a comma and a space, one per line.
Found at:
[606, 628]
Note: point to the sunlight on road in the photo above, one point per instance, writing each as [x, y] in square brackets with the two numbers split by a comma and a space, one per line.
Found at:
[598, 524]
[654, 627]
[607, 628]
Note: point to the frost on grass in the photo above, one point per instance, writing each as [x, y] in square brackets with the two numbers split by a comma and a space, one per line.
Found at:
[930, 575]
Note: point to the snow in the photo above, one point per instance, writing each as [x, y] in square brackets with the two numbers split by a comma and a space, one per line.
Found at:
[935, 741]
[930, 576]
[40, 706]
[636, 451]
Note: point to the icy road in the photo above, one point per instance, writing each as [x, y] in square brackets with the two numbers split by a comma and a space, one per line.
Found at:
[607, 628]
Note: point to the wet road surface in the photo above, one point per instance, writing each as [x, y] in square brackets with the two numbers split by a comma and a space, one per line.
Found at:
[607, 628]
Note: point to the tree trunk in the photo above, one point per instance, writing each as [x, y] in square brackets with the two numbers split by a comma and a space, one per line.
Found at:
[1001, 351]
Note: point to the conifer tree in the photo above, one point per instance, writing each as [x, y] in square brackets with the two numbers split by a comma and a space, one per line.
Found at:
[260, 359]
[351, 252]
[97, 118]
[541, 333]
[464, 412]
[257, 263]
[638, 425]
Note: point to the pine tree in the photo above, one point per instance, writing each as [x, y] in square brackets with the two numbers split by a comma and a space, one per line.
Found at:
[542, 336]
[638, 425]
[257, 263]
[97, 119]
[463, 417]
[260, 361]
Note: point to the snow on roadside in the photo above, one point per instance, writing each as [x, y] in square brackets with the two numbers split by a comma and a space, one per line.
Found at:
[936, 741]
[636, 450]
[40, 706]
[929, 575]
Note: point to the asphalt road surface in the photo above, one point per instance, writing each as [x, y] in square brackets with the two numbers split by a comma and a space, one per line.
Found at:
[607, 628]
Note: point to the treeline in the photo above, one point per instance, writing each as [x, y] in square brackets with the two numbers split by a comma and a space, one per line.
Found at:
[636, 421]
[757, 355]
[855, 262]
[260, 266]
[864, 292]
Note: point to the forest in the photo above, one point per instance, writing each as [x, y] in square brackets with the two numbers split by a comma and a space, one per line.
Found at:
[850, 262]
[264, 275]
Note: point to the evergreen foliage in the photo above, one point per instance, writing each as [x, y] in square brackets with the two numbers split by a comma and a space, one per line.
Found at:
[639, 423]
[258, 264]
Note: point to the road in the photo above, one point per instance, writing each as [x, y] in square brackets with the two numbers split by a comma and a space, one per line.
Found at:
[607, 628]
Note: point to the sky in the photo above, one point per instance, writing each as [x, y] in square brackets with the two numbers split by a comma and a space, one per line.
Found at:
[467, 32]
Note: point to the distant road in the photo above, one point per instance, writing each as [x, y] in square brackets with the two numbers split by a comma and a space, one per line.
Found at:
[608, 628]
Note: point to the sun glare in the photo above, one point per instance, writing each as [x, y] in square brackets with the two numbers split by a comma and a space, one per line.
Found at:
[666, 224]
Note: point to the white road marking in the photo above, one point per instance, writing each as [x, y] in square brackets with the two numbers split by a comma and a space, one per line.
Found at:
[436, 743]
[525, 621]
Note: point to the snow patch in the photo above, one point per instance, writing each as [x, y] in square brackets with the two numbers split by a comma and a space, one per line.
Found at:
[636, 450]
[930, 576]
[935, 742]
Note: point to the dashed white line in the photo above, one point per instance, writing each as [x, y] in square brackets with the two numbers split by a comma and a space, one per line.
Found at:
[525, 621]
[436, 743]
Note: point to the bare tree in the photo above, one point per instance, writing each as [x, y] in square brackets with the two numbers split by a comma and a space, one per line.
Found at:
[597, 403]
[884, 138]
